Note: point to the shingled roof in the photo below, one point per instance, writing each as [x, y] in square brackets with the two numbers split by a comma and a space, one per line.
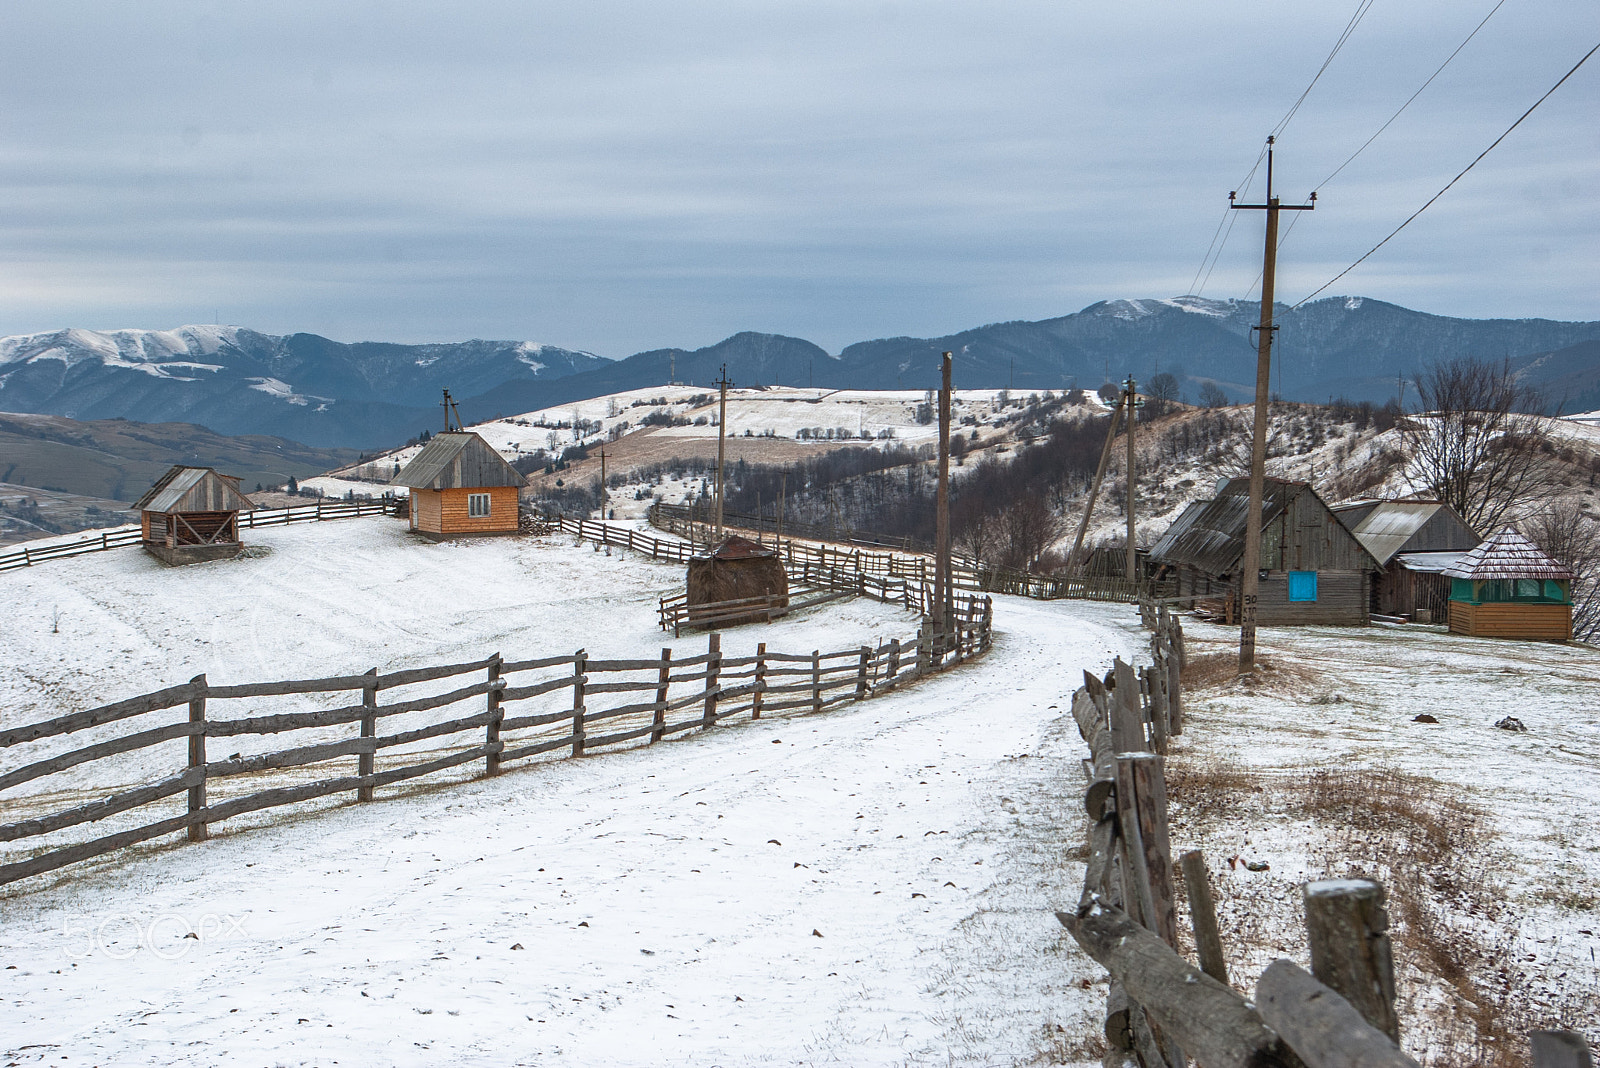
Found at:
[1508, 555]
[457, 459]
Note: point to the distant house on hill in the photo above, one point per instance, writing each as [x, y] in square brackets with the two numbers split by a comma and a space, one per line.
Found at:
[192, 514]
[1413, 541]
[1313, 570]
[1509, 588]
[460, 486]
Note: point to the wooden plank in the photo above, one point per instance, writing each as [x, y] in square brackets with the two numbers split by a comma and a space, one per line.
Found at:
[621, 736]
[369, 729]
[530, 665]
[538, 747]
[170, 697]
[1127, 725]
[1347, 927]
[125, 744]
[285, 721]
[1211, 1022]
[622, 665]
[622, 710]
[619, 687]
[99, 810]
[519, 693]
[663, 682]
[434, 730]
[290, 758]
[494, 713]
[428, 674]
[273, 689]
[513, 723]
[580, 662]
[1320, 1025]
[60, 858]
[197, 759]
[1203, 915]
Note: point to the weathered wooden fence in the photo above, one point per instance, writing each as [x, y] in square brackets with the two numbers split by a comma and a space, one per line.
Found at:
[513, 711]
[1161, 1010]
[94, 541]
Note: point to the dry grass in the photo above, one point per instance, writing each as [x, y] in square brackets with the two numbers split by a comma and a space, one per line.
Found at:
[1219, 673]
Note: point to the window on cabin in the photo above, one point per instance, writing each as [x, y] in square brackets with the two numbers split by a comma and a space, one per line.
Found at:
[478, 505]
[1302, 585]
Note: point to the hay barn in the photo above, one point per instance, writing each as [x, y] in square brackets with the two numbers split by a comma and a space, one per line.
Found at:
[1509, 588]
[1313, 570]
[737, 570]
[1413, 541]
[460, 486]
[191, 514]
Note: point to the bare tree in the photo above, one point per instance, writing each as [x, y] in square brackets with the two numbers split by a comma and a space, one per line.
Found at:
[1572, 537]
[977, 532]
[1212, 395]
[1028, 527]
[1474, 442]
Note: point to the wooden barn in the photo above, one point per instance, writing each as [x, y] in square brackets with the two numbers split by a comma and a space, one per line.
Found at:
[737, 570]
[460, 486]
[1509, 588]
[1313, 570]
[192, 514]
[1413, 541]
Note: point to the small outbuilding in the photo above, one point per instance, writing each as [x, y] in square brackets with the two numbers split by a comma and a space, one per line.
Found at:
[1510, 588]
[1413, 541]
[191, 514]
[1313, 570]
[738, 569]
[460, 486]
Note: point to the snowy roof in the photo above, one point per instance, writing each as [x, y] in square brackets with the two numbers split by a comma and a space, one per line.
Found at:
[1508, 555]
[457, 459]
[1435, 563]
[1209, 535]
[734, 547]
[1386, 527]
[193, 489]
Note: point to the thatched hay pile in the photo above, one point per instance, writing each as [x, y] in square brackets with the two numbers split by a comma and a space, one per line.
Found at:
[736, 570]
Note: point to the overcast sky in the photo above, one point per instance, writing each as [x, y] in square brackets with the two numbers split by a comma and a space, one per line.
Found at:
[620, 176]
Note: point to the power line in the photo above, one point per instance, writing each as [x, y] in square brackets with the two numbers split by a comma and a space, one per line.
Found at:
[1350, 28]
[1198, 286]
[1458, 177]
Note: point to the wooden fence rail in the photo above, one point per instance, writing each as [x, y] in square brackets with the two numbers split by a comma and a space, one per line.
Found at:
[490, 710]
[124, 536]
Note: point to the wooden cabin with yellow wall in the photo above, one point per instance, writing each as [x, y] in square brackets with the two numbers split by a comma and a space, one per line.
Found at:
[460, 486]
[1509, 588]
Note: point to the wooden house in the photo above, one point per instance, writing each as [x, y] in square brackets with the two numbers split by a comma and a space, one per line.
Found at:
[192, 514]
[460, 486]
[1509, 588]
[1313, 570]
[1413, 541]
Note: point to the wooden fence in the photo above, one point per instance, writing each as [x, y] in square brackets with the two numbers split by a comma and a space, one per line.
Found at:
[95, 541]
[1161, 1010]
[512, 711]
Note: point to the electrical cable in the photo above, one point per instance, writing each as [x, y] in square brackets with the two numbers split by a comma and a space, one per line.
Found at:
[1457, 178]
[1355, 20]
[1197, 287]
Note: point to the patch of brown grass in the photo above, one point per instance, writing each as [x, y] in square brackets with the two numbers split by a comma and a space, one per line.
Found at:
[1220, 672]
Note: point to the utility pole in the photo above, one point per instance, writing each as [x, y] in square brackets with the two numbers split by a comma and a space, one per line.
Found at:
[1250, 577]
[603, 492]
[941, 567]
[1130, 399]
[722, 440]
[1094, 488]
[449, 406]
[783, 495]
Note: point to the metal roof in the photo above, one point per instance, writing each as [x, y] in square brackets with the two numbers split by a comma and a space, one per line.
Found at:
[457, 459]
[1209, 535]
[1435, 563]
[1508, 555]
[193, 489]
[1386, 529]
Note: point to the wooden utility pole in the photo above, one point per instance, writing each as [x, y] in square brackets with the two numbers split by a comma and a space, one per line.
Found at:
[1249, 578]
[449, 406]
[1094, 487]
[941, 578]
[603, 493]
[1130, 396]
[722, 441]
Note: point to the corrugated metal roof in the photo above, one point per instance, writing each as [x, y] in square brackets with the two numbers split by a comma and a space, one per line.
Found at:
[457, 459]
[1508, 555]
[1212, 535]
[1430, 562]
[193, 489]
[1386, 528]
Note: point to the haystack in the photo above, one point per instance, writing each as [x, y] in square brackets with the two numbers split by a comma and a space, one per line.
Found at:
[738, 569]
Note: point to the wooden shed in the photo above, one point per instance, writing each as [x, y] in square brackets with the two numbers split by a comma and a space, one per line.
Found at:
[1509, 588]
[737, 570]
[192, 514]
[1413, 541]
[1313, 570]
[461, 486]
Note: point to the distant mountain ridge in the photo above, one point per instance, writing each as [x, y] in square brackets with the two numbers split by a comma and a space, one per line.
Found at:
[372, 395]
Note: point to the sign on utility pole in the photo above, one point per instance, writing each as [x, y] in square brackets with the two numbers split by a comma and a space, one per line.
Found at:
[1250, 577]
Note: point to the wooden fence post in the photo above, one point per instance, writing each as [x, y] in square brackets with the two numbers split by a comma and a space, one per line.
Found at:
[580, 660]
[491, 736]
[816, 680]
[197, 757]
[861, 673]
[1347, 927]
[1203, 915]
[1127, 718]
[1559, 1049]
[1142, 813]
[894, 661]
[1157, 708]
[659, 720]
[924, 653]
[760, 680]
[713, 672]
[369, 729]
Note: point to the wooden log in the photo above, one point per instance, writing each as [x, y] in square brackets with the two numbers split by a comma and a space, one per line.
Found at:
[540, 719]
[369, 729]
[535, 748]
[170, 697]
[60, 858]
[1203, 915]
[713, 669]
[1212, 1023]
[415, 675]
[1320, 1025]
[893, 668]
[495, 713]
[761, 680]
[1559, 1049]
[622, 665]
[99, 810]
[591, 717]
[621, 736]
[579, 679]
[433, 730]
[125, 744]
[659, 721]
[519, 693]
[621, 687]
[197, 758]
[1347, 927]
[816, 681]
[291, 758]
[861, 673]
[532, 665]
[274, 689]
